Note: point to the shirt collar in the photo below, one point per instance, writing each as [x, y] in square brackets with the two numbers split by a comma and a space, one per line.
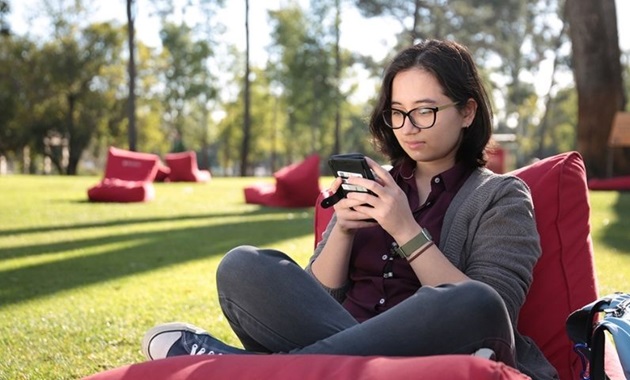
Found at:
[450, 178]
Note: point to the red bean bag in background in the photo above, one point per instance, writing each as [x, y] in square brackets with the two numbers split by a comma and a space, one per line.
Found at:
[496, 160]
[162, 173]
[128, 177]
[296, 185]
[184, 168]
[621, 183]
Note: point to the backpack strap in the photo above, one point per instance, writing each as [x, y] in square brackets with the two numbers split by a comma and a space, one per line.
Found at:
[598, 353]
[580, 323]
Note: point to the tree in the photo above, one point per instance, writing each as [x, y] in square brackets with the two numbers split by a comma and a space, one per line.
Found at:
[5, 9]
[597, 75]
[309, 67]
[16, 93]
[131, 106]
[79, 85]
[247, 119]
[186, 80]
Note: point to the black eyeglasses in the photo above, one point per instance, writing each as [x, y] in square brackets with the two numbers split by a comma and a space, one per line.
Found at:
[421, 117]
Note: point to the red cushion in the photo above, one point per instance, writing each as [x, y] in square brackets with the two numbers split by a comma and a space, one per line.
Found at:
[128, 176]
[496, 160]
[130, 166]
[263, 194]
[162, 172]
[118, 190]
[621, 183]
[315, 367]
[296, 185]
[184, 168]
[564, 277]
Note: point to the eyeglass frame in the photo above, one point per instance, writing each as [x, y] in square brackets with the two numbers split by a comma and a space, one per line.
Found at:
[406, 115]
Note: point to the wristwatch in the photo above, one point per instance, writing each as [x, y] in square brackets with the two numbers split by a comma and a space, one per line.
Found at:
[414, 244]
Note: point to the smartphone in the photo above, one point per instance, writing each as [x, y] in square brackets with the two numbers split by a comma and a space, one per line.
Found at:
[346, 166]
[350, 165]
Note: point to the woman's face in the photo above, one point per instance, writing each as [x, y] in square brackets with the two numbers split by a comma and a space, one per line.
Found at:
[415, 88]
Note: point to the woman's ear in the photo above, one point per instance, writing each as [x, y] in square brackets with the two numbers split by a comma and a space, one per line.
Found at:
[469, 111]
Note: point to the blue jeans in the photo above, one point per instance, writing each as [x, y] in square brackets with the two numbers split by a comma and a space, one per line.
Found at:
[275, 306]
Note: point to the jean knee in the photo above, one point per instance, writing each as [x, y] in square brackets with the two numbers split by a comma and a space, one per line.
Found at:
[249, 266]
[486, 301]
[236, 264]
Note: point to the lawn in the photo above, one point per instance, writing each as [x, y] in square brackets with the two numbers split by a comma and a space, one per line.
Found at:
[80, 283]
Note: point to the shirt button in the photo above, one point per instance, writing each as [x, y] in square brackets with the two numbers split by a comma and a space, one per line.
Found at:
[437, 180]
[384, 257]
[381, 301]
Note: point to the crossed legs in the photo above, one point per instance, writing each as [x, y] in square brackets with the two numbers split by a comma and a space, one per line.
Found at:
[274, 306]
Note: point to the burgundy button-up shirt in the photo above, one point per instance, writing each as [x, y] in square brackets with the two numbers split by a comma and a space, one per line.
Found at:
[380, 279]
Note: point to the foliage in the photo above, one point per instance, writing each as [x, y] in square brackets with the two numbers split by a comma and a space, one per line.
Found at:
[188, 82]
[65, 97]
[81, 282]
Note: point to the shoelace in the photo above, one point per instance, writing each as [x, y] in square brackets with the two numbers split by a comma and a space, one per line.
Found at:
[202, 351]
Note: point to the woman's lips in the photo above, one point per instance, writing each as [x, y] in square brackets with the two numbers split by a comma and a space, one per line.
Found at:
[413, 145]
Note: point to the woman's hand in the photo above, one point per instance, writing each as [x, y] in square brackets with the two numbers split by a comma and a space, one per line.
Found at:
[348, 219]
[388, 205]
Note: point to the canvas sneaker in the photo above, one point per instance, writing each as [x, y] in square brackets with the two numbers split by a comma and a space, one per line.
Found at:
[177, 338]
[485, 353]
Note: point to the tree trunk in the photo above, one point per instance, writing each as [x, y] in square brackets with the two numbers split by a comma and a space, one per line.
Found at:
[132, 134]
[337, 143]
[246, 119]
[597, 73]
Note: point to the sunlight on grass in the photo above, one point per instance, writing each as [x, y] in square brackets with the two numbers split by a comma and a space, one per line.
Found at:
[80, 282]
[611, 241]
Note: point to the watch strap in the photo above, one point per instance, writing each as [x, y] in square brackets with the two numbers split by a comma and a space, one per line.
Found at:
[417, 242]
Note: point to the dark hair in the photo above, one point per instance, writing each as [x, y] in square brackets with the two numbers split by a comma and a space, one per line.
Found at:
[453, 67]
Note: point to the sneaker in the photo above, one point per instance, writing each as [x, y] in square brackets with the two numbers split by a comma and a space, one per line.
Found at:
[176, 338]
[485, 353]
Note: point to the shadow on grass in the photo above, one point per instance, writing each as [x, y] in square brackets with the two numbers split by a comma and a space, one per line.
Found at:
[616, 234]
[130, 221]
[145, 252]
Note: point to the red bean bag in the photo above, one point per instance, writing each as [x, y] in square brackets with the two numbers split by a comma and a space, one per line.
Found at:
[183, 168]
[621, 183]
[128, 177]
[162, 173]
[296, 185]
[315, 367]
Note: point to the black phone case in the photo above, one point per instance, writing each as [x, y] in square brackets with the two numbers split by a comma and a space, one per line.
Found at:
[346, 166]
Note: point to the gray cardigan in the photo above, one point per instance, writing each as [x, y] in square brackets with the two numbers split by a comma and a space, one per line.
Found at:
[489, 233]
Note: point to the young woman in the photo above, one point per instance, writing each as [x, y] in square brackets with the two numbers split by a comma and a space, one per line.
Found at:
[445, 267]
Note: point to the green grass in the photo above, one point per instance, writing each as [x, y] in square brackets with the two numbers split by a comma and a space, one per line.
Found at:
[80, 283]
[610, 231]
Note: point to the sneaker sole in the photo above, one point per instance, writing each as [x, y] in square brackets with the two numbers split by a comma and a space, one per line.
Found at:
[164, 328]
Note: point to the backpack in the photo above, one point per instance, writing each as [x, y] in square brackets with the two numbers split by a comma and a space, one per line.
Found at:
[587, 328]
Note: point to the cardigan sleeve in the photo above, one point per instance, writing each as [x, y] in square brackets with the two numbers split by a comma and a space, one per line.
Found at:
[493, 238]
[338, 294]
